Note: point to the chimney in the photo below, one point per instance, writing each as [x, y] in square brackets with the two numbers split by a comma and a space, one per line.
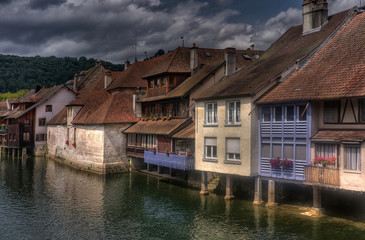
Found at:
[126, 64]
[37, 88]
[193, 59]
[107, 78]
[230, 57]
[75, 82]
[252, 47]
[315, 15]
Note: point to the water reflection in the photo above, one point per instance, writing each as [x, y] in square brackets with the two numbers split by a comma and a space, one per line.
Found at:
[41, 199]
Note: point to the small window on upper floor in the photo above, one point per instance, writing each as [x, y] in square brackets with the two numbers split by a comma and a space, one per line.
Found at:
[48, 108]
[301, 113]
[26, 121]
[278, 114]
[164, 82]
[266, 114]
[233, 112]
[150, 84]
[362, 110]
[353, 157]
[42, 122]
[211, 113]
[210, 148]
[331, 111]
[157, 82]
[289, 113]
[171, 81]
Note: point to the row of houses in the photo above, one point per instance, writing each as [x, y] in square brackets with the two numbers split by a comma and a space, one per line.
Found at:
[294, 113]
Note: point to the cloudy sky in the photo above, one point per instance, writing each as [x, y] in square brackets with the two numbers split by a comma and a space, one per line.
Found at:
[110, 29]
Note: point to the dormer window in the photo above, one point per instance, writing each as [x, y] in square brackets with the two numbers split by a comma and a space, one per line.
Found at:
[150, 84]
[164, 81]
[157, 82]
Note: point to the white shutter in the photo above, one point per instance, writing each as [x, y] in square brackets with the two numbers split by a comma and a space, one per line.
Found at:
[233, 145]
[211, 141]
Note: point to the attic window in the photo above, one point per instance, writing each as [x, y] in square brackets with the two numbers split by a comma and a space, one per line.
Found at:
[207, 54]
[245, 56]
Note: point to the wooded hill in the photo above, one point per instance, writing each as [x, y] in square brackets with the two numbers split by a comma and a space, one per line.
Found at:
[26, 72]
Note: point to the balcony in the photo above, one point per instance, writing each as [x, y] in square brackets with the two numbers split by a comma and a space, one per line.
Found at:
[322, 175]
[135, 151]
[175, 161]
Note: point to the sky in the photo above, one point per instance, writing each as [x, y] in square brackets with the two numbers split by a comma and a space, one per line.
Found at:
[115, 30]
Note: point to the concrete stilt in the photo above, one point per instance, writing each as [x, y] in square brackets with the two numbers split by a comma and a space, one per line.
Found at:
[24, 153]
[229, 190]
[271, 194]
[258, 192]
[317, 209]
[148, 167]
[170, 171]
[159, 169]
[18, 151]
[13, 152]
[204, 184]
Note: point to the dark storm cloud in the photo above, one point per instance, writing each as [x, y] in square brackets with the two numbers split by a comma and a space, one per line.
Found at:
[43, 4]
[111, 29]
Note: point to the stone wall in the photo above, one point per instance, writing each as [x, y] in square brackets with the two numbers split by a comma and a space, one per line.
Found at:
[98, 148]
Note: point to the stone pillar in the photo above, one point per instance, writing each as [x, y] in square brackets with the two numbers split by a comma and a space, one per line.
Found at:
[258, 192]
[204, 184]
[24, 153]
[271, 194]
[317, 197]
[170, 171]
[18, 150]
[13, 152]
[229, 190]
[159, 169]
[148, 167]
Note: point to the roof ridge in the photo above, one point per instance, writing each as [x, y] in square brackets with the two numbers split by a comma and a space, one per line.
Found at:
[173, 57]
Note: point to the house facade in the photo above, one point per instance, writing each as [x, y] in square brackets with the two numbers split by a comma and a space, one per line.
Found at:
[329, 102]
[164, 138]
[229, 118]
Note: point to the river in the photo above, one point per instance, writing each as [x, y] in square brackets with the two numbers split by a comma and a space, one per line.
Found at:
[41, 199]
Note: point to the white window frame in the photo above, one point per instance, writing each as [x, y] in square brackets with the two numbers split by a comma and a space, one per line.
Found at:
[236, 156]
[214, 113]
[236, 114]
[211, 149]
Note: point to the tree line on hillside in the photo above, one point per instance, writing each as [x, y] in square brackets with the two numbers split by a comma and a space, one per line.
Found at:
[18, 73]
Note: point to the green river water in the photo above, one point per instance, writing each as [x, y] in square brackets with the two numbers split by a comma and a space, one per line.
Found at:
[41, 199]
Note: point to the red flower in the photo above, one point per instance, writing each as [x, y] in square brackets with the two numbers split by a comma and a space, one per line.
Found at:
[74, 144]
[66, 142]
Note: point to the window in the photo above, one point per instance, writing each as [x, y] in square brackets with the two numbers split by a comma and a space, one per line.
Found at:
[278, 116]
[210, 148]
[41, 137]
[157, 82]
[211, 113]
[150, 84]
[233, 149]
[326, 150]
[26, 121]
[266, 114]
[132, 139]
[289, 113]
[48, 108]
[26, 136]
[353, 157]
[164, 82]
[331, 111]
[75, 136]
[301, 113]
[171, 81]
[149, 140]
[362, 110]
[42, 122]
[233, 112]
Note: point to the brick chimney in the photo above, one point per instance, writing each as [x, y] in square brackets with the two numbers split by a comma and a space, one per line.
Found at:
[76, 77]
[107, 78]
[194, 63]
[230, 57]
[315, 15]
[126, 64]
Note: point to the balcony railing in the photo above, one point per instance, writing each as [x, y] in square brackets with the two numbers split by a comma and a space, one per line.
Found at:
[135, 152]
[175, 161]
[322, 175]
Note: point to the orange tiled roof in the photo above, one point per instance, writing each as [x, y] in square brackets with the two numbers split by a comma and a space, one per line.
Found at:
[280, 56]
[336, 71]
